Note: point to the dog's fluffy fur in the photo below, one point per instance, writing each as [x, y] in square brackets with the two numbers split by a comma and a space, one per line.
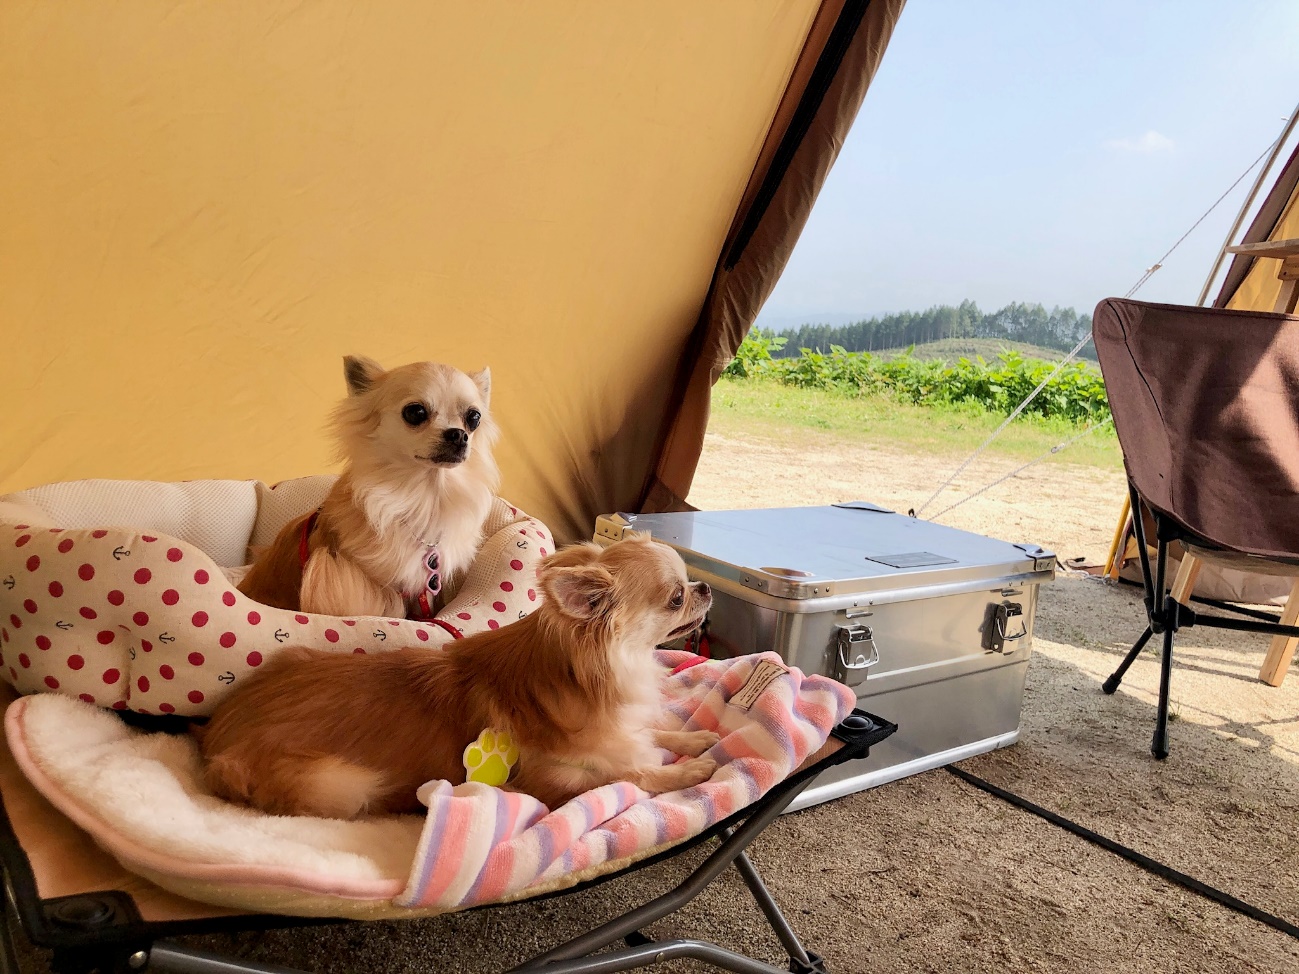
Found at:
[403, 482]
[574, 683]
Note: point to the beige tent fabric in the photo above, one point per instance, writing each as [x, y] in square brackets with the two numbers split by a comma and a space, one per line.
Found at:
[207, 206]
[1251, 283]
[851, 46]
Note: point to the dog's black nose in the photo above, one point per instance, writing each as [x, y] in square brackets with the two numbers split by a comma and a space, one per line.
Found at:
[702, 590]
[456, 437]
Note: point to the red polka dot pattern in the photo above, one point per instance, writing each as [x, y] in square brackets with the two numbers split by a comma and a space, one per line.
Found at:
[147, 629]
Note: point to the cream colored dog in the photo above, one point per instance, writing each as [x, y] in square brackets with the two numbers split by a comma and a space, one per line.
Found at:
[406, 516]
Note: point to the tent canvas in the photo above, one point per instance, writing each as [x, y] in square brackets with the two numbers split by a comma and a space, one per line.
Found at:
[205, 210]
[206, 206]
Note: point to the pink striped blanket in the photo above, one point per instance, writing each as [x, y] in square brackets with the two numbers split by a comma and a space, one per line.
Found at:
[476, 845]
[484, 845]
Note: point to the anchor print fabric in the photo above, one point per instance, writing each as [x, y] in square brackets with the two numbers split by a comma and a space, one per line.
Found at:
[149, 623]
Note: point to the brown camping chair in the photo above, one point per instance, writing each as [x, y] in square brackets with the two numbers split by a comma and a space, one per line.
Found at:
[1206, 407]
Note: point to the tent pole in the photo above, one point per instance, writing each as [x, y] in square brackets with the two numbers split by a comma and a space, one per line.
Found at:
[1118, 538]
[1249, 201]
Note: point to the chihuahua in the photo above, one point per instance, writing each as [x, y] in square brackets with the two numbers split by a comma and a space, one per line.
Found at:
[575, 684]
[405, 518]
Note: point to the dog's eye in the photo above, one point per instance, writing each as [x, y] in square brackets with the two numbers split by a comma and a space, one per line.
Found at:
[678, 599]
[472, 419]
[414, 413]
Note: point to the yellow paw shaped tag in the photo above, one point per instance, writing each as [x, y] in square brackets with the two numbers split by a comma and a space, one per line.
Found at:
[490, 759]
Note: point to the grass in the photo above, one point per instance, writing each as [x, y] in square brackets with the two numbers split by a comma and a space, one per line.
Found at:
[767, 408]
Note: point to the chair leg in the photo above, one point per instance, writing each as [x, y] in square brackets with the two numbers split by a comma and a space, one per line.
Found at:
[1282, 650]
[1112, 682]
[1159, 744]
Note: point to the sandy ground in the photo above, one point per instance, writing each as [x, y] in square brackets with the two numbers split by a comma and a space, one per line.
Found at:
[928, 874]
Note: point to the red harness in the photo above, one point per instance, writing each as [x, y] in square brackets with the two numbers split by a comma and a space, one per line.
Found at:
[307, 525]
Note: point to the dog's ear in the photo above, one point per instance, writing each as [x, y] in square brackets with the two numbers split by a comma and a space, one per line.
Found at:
[579, 591]
[569, 556]
[361, 373]
[483, 380]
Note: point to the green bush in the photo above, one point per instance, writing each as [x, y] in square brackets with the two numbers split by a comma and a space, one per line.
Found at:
[1077, 393]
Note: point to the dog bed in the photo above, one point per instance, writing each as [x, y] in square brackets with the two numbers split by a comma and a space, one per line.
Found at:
[141, 796]
[122, 593]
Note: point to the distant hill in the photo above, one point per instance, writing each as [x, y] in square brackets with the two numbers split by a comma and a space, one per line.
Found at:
[1059, 329]
[952, 349]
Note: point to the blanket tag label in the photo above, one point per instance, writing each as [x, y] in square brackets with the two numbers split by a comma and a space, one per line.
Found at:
[758, 680]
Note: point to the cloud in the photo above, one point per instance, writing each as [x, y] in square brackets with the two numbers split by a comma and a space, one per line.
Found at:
[1151, 141]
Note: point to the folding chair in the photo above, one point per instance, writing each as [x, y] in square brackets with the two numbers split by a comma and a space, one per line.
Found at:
[1206, 407]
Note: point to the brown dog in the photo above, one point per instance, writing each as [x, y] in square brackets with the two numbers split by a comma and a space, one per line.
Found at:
[405, 518]
[574, 683]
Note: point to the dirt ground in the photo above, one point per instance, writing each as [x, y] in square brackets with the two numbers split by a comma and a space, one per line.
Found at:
[928, 874]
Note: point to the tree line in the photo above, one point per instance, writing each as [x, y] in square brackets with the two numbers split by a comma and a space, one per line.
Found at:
[1060, 329]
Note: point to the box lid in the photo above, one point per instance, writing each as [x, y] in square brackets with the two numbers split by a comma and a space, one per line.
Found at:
[842, 549]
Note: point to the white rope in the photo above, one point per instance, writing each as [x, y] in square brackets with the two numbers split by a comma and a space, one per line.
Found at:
[1008, 420]
[1018, 470]
[1150, 271]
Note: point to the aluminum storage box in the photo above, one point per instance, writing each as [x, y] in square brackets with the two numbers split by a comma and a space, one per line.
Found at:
[932, 626]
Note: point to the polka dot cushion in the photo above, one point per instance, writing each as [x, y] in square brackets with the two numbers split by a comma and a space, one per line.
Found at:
[140, 620]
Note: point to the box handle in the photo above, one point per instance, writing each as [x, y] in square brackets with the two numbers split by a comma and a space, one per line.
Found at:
[856, 653]
[1003, 622]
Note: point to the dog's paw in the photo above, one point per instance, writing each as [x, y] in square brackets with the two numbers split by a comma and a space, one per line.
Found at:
[695, 743]
[693, 772]
[490, 758]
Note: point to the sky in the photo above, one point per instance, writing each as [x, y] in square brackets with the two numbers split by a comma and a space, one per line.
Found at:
[1044, 151]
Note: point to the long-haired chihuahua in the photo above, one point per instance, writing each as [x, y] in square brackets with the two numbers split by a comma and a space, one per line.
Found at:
[575, 684]
[405, 517]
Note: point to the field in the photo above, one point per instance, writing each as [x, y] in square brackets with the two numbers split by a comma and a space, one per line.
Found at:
[766, 406]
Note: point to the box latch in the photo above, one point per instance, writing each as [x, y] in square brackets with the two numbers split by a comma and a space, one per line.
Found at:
[856, 653]
[1003, 622]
